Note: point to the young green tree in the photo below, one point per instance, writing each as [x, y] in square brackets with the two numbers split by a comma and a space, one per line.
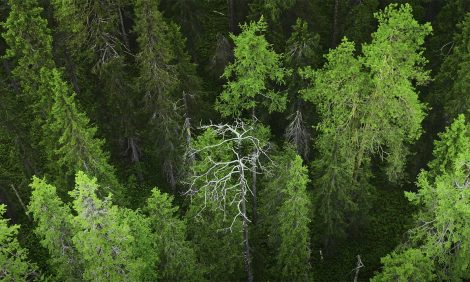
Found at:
[255, 66]
[177, 258]
[439, 242]
[338, 91]
[14, 265]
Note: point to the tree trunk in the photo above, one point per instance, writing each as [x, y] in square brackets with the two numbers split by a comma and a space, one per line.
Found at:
[246, 243]
[334, 39]
[231, 16]
[254, 179]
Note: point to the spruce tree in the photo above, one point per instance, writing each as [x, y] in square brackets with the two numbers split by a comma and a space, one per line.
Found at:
[14, 265]
[379, 113]
[54, 227]
[284, 217]
[255, 66]
[177, 257]
[439, 242]
[71, 141]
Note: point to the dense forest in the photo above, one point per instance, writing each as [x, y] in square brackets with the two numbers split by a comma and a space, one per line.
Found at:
[234, 140]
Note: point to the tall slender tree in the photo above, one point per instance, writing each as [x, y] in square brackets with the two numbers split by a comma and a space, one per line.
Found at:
[284, 216]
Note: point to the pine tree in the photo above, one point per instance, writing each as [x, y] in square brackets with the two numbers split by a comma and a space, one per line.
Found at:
[14, 265]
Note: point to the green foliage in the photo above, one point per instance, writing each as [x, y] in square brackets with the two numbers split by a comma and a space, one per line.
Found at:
[29, 41]
[157, 74]
[55, 229]
[285, 216]
[14, 265]
[410, 265]
[396, 62]
[104, 237]
[338, 91]
[177, 257]
[452, 80]
[255, 65]
[74, 146]
[443, 219]
[99, 241]
[368, 107]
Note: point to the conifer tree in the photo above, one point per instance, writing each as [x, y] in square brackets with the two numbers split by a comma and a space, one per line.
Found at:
[177, 258]
[284, 216]
[363, 121]
[14, 265]
[303, 49]
[64, 133]
[73, 145]
[54, 227]
[451, 85]
[255, 66]
[440, 238]
[116, 244]
[157, 82]
[29, 43]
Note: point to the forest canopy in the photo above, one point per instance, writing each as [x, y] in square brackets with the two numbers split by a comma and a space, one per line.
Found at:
[235, 140]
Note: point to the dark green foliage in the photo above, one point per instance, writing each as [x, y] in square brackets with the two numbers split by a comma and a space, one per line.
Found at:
[102, 100]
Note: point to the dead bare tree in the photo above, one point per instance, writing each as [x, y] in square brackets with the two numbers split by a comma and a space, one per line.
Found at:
[226, 182]
[297, 134]
[359, 265]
